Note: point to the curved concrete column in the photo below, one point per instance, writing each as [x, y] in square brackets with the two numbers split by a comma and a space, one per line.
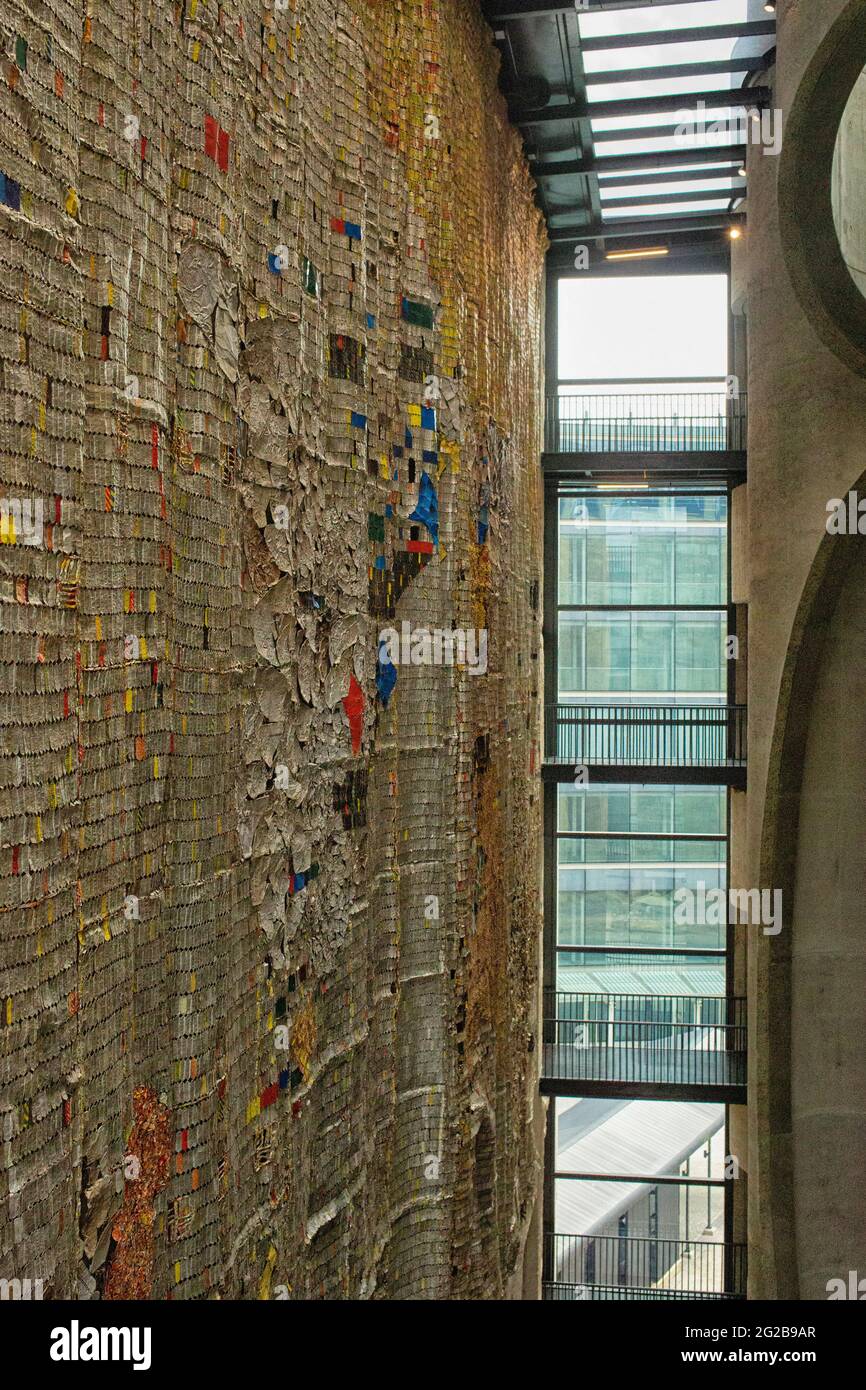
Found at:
[828, 957]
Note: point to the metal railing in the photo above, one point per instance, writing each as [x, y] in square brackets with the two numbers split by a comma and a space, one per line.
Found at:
[645, 1039]
[698, 422]
[646, 735]
[637, 1268]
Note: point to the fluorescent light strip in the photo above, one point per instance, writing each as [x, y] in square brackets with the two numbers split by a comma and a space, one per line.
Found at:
[648, 253]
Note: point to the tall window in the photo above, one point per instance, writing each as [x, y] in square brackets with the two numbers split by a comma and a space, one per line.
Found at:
[643, 327]
[641, 683]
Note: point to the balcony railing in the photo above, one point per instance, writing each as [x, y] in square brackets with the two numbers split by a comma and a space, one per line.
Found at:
[601, 1267]
[644, 1040]
[646, 735]
[692, 422]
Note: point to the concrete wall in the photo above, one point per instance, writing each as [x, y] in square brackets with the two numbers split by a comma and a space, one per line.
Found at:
[807, 426]
[828, 965]
[849, 182]
[271, 307]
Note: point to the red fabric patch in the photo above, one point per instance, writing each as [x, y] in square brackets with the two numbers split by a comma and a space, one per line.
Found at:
[223, 150]
[420, 547]
[269, 1095]
[353, 704]
[210, 136]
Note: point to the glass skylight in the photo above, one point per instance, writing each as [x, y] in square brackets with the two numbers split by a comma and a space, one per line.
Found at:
[709, 114]
[666, 55]
[662, 86]
[709, 170]
[659, 17]
[664, 209]
[723, 187]
[606, 144]
[650, 71]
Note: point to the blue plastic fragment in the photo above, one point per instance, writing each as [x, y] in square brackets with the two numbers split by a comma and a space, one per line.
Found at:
[427, 511]
[386, 674]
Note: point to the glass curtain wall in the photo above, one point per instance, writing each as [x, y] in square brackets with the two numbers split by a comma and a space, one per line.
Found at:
[642, 595]
[638, 1185]
[642, 621]
[623, 851]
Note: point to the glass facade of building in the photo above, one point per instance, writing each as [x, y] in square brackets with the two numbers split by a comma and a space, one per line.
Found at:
[642, 620]
[642, 591]
[623, 852]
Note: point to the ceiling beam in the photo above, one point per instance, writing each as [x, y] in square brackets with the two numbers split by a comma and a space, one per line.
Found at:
[729, 98]
[647, 227]
[624, 163]
[754, 64]
[645, 132]
[758, 28]
[701, 253]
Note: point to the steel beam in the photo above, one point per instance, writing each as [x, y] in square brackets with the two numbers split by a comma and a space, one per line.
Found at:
[728, 99]
[648, 227]
[704, 33]
[707, 69]
[625, 163]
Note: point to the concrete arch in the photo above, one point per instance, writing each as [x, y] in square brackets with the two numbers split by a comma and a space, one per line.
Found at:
[822, 280]
[811, 979]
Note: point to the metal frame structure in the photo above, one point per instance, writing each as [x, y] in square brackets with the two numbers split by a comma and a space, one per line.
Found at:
[723, 471]
[550, 95]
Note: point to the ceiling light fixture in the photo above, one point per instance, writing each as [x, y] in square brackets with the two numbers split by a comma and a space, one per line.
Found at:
[735, 233]
[645, 253]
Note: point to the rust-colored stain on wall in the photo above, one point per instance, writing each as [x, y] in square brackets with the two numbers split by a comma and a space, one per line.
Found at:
[146, 1171]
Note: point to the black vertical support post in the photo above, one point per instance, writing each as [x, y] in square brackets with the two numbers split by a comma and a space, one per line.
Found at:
[550, 620]
[732, 750]
[730, 1276]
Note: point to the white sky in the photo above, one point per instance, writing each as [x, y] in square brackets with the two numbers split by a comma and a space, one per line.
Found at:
[643, 326]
